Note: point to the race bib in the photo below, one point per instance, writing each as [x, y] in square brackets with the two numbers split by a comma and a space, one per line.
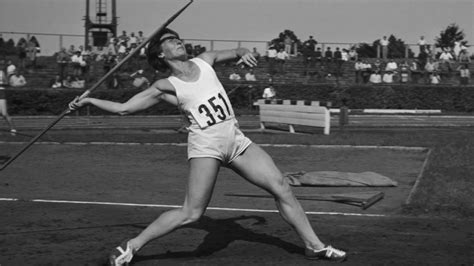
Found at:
[213, 111]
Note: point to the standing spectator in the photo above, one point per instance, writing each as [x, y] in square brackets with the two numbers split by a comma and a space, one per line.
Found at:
[445, 59]
[328, 55]
[31, 52]
[234, 75]
[384, 44]
[422, 45]
[311, 43]
[123, 39]
[140, 38]
[256, 54]
[77, 64]
[17, 80]
[133, 42]
[62, 59]
[3, 102]
[457, 49]
[308, 57]
[464, 57]
[415, 71]
[464, 74]
[338, 60]
[358, 68]
[345, 55]
[353, 54]
[250, 76]
[21, 53]
[281, 58]
[271, 57]
[288, 44]
[318, 55]
[72, 50]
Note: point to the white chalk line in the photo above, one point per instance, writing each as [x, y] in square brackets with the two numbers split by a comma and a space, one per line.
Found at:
[179, 206]
[185, 144]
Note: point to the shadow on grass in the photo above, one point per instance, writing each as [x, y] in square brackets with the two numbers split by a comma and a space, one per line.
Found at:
[221, 233]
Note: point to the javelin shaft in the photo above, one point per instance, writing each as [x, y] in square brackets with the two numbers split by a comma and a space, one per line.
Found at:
[96, 85]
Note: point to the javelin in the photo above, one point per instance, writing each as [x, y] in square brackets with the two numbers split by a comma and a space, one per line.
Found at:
[97, 84]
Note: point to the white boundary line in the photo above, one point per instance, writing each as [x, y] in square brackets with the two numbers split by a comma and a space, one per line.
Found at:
[263, 145]
[179, 206]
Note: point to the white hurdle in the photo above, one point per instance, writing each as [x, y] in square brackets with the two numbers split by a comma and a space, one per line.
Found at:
[298, 114]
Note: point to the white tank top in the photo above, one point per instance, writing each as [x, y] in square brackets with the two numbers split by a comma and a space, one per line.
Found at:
[204, 102]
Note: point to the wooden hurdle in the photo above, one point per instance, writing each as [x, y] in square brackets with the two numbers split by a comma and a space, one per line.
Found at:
[294, 114]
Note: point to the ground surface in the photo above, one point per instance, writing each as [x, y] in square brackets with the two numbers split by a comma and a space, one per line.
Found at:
[235, 231]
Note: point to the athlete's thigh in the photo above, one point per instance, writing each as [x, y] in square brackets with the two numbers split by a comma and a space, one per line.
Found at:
[202, 177]
[258, 167]
[3, 107]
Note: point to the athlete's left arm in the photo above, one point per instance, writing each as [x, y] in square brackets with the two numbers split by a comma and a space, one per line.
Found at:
[244, 54]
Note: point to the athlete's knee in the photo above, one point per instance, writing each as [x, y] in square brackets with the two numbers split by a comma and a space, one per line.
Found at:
[192, 215]
[280, 188]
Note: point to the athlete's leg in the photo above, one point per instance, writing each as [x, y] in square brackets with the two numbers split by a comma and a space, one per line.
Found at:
[258, 167]
[201, 180]
[4, 113]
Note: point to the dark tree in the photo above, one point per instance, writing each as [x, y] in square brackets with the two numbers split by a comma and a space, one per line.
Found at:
[451, 34]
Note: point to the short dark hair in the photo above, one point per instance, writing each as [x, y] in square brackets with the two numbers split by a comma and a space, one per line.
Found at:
[154, 50]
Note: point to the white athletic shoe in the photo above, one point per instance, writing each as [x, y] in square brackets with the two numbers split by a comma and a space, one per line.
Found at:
[327, 253]
[121, 255]
[13, 131]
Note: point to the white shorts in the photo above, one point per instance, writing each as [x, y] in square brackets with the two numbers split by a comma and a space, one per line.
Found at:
[223, 141]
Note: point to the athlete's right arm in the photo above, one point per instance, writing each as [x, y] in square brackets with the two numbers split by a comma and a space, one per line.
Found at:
[139, 102]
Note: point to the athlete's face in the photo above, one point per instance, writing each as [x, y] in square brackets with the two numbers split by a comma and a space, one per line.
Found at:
[172, 46]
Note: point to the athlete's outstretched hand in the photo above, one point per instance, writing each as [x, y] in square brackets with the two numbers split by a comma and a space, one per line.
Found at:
[248, 59]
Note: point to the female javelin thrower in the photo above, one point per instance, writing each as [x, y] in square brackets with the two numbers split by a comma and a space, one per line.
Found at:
[3, 102]
[214, 139]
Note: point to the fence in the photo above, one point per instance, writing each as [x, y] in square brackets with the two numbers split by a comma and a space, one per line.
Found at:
[52, 42]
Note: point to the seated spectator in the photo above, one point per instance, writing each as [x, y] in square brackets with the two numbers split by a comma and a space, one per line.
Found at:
[378, 65]
[17, 80]
[72, 50]
[366, 71]
[234, 75]
[430, 67]
[345, 55]
[404, 72]
[269, 93]
[464, 74]
[56, 82]
[388, 77]
[391, 65]
[139, 80]
[271, 58]
[311, 43]
[250, 76]
[376, 77]
[11, 68]
[415, 71]
[435, 78]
